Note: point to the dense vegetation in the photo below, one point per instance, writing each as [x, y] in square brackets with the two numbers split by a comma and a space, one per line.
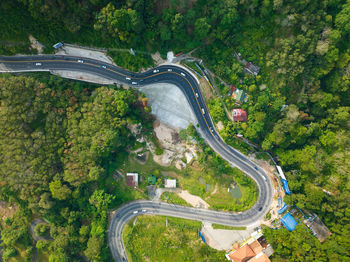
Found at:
[303, 49]
[55, 141]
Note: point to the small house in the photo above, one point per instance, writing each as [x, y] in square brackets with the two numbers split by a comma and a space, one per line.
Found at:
[239, 115]
[170, 183]
[238, 95]
[250, 68]
[132, 179]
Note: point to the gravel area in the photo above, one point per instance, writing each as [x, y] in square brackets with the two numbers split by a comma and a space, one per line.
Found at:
[76, 51]
[222, 239]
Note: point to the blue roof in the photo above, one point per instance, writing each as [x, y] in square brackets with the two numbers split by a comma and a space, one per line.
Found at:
[289, 222]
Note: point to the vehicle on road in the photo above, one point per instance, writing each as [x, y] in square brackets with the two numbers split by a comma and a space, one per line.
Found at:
[127, 78]
[144, 210]
[256, 168]
[135, 212]
[197, 95]
[203, 111]
[212, 130]
[134, 83]
[103, 66]
[155, 71]
[260, 208]
[38, 64]
[170, 70]
[183, 74]
[80, 61]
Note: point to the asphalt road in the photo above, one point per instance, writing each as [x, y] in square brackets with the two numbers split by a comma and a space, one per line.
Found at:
[187, 83]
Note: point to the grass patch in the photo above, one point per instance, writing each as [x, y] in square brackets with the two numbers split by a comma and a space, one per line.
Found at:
[173, 198]
[218, 226]
[179, 241]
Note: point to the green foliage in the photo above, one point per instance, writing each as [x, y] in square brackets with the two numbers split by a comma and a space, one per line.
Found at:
[56, 139]
[159, 151]
[62, 134]
[178, 240]
[42, 229]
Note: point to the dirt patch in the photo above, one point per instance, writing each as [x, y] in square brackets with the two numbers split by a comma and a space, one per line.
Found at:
[6, 210]
[179, 164]
[170, 174]
[220, 125]
[170, 141]
[158, 59]
[195, 201]
[35, 44]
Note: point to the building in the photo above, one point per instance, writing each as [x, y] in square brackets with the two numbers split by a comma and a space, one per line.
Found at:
[170, 183]
[289, 222]
[250, 68]
[317, 228]
[132, 179]
[239, 115]
[253, 250]
[238, 95]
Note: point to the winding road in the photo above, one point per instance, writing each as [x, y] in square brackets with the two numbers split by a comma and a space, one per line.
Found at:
[189, 85]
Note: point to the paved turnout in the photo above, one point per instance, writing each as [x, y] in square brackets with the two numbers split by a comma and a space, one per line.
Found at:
[187, 83]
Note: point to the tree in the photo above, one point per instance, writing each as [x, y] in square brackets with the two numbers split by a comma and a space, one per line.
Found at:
[201, 28]
[93, 250]
[59, 191]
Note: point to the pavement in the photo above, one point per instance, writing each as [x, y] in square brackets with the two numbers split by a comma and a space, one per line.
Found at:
[188, 84]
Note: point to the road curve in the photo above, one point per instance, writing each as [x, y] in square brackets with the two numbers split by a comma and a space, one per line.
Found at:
[187, 83]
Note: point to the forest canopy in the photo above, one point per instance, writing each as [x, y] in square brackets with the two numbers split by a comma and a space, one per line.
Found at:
[298, 106]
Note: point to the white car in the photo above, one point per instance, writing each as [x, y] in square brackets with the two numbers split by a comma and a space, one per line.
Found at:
[197, 95]
[203, 111]
[144, 210]
[127, 78]
[80, 61]
[155, 71]
[135, 212]
[211, 129]
[170, 70]
[183, 74]
[38, 64]
[134, 83]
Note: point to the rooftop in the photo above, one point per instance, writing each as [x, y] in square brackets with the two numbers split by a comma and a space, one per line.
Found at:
[239, 115]
[289, 222]
[132, 179]
[170, 183]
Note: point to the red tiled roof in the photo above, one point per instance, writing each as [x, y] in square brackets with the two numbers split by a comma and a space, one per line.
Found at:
[130, 181]
[239, 115]
[243, 254]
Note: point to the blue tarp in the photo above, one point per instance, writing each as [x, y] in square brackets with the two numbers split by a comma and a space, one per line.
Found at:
[289, 222]
[57, 45]
[285, 186]
[283, 208]
[202, 237]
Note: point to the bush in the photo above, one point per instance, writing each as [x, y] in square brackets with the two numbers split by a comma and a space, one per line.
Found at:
[41, 229]
[159, 151]
[42, 245]
[9, 252]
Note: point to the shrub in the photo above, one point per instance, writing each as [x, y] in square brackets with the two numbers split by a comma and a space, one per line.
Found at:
[159, 151]
[41, 229]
